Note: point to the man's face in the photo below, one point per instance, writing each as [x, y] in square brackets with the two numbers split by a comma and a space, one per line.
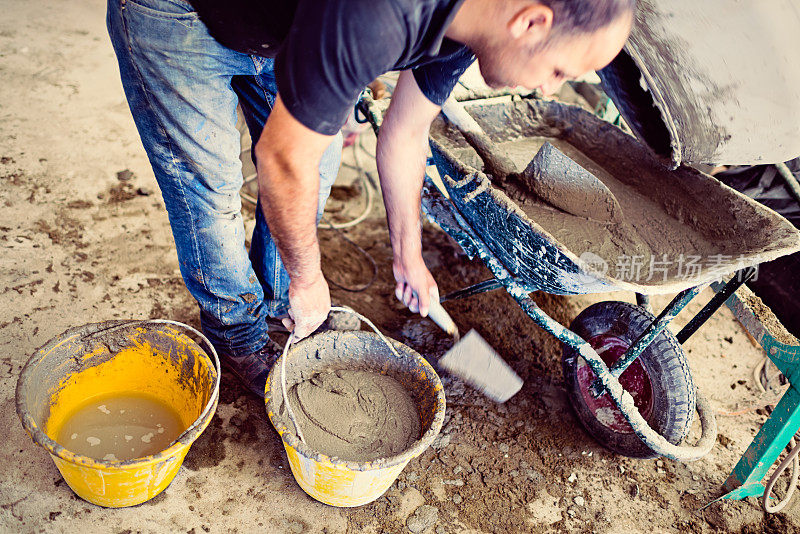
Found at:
[546, 64]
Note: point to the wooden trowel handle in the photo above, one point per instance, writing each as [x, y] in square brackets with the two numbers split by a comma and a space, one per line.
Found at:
[440, 316]
[497, 165]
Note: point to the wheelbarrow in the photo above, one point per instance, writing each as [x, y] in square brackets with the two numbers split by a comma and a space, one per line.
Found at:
[627, 376]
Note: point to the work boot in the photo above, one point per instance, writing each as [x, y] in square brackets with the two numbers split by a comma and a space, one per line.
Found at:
[252, 369]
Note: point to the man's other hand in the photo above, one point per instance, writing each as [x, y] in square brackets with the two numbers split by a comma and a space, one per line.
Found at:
[309, 304]
[401, 153]
[415, 284]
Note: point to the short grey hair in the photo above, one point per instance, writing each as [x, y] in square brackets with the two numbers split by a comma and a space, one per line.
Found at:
[572, 17]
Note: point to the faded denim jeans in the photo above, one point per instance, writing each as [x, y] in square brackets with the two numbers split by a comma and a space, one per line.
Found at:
[182, 87]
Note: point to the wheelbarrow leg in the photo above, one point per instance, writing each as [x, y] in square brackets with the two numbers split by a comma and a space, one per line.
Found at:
[481, 287]
[746, 478]
[715, 303]
[766, 447]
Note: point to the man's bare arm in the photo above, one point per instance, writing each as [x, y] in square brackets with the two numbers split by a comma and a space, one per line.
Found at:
[401, 153]
[288, 155]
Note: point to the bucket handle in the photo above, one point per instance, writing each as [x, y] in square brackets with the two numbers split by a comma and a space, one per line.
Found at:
[289, 341]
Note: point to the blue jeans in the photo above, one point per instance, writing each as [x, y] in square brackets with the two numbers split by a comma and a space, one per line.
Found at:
[182, 87]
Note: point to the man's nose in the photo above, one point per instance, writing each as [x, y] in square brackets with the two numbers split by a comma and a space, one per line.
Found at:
[550, 87]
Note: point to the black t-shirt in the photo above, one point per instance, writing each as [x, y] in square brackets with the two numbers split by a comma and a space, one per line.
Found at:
[326, 51]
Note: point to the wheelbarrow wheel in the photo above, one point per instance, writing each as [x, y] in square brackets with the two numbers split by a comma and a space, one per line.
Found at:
[659, 380]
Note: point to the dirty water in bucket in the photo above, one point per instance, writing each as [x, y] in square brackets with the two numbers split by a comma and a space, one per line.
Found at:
[355, 415]
[120, 427]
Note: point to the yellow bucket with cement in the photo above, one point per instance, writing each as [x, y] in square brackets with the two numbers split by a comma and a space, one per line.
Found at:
[331, 480]
[154, 358]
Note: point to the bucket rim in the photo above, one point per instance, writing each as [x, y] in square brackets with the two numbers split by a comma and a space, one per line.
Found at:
[290, 438]
[184, 440]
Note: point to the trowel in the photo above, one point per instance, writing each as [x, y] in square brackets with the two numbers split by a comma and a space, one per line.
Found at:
[473, 360]
[551, 175]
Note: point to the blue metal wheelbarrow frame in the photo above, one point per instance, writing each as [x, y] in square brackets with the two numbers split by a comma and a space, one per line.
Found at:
[775, 434]
[771, 440]
[442, 212]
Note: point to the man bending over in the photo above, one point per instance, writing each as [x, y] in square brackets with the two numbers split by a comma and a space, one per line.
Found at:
[296, 68]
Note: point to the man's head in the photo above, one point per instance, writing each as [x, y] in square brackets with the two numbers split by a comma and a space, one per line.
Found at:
[542, 43]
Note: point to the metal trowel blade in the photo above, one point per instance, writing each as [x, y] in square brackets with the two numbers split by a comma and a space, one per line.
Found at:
[476, 362]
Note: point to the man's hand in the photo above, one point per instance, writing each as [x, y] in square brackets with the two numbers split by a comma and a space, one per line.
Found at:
[401, 153]
[415, 284]
[287, 157]
[308, 307]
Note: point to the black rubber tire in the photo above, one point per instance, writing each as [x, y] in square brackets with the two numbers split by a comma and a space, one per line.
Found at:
[664, 362]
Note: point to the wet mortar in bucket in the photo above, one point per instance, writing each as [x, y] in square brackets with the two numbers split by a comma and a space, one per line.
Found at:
[118, 404]
[342, 462]
[355, 415]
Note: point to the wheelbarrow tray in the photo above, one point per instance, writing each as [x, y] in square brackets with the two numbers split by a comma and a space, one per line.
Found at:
[736, 231]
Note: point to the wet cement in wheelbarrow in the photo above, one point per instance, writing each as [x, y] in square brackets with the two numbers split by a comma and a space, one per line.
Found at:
[355, 415]
[644, 230]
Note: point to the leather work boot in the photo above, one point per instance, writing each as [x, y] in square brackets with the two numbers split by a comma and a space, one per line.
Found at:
[252, 369]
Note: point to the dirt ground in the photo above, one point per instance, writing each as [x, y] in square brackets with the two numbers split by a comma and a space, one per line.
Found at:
[85, 238]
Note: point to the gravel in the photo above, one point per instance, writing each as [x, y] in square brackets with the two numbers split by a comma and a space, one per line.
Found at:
[423, 517]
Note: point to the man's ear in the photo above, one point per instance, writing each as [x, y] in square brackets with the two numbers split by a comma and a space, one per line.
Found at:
[534, 21]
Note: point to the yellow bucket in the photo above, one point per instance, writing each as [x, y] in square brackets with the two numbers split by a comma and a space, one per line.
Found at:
[331, 480]
[155, 358]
